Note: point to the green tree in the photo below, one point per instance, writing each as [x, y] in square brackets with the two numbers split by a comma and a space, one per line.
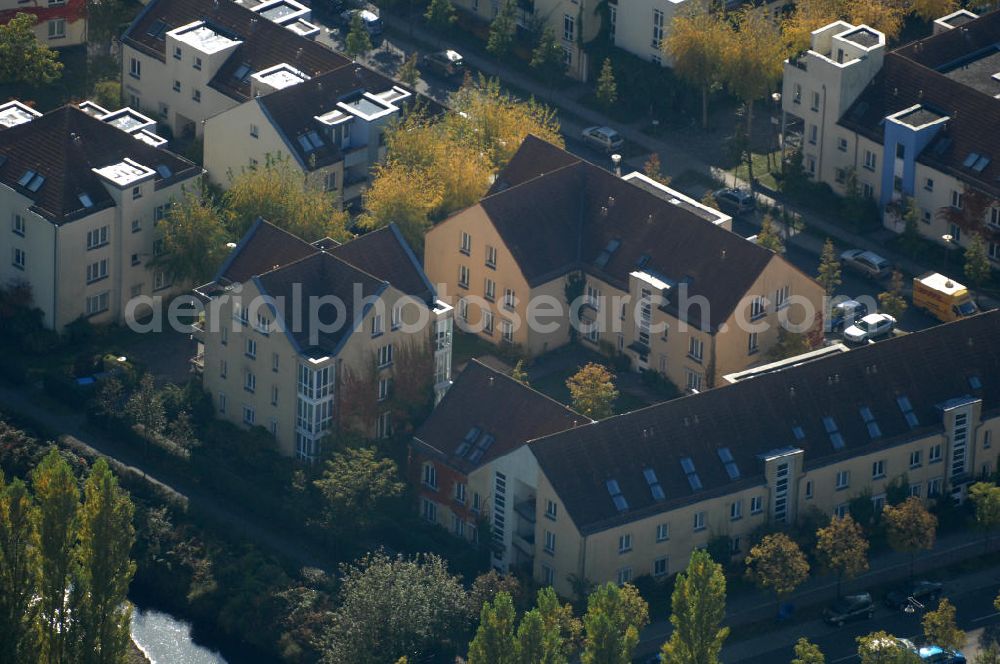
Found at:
[986, 497]
[842, 548]
[977, 263]
[355, 482]
[940, 628]
[898, 490]
[708, 200]
[494, 642]
[592, 391]
[769, 236]
[807, 652]
[358, 42]
[18, 573]
[105, 568]
[892, 301]
[910, 237]
[24, 59]
[108, 94]
[910, 527]
[614, 618]
[548, 58]
[145, 407]
[105, 19]
[561, 630]
[698, 605]
[502, 30]
[409, 74]
[194, 240]
[55, 523]
[990, 654]
[607, 89]
[829, 268]
[777, 564]
[882, 648]
[696, 44]
[519, 374]
[441, 15]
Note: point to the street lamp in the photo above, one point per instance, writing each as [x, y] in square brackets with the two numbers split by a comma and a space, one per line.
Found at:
[947, 237]
[912, 605]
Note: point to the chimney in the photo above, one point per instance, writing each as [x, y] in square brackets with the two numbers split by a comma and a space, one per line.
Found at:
[616, 164]
[491, 380]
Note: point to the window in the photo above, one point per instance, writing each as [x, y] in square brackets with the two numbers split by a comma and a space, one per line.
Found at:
[797, 94]
[781, 297]
[915, 460]
[657, 29]
[463, 276]
[134, 68]
[251, 348]
[840, 175]
[136, 193]
[508, 299]
[463, 310]
[699, 521]
[17, 225]
[550, 542]
[161, 280]
[223, 368]
[867, 190]
[956, 233]
[869, 160]
[995, 216]
[994, 251]
[736, 510]
[660, 566]
[197, 63]
[548, 575]
[385, 356]
[809, 489]
[987, 435]
[430, 477]
[843, 479]
[878, 502]
[178, 52]
[752, 346]
[429, 510]
[934, 487]
[136, 225]
[490, 290]
[383, 388]
[458, 525]
[756, 504]
[934, 454]
[815, 101]
[693, 380]
[612, 21]
[813, 134]
[957, 200]
[330, 182]
[842, 510]
[696, 349]
[97, 237]
[842, 144]
[396, 320]
[915, 490]
[97, 271]
[377, 329]
[475, 502]
[569, 25]
[275, 361]
[19, 258]
[460, 491]
[135, 260]
[274, 395]
[491, 256]
[929, 184]
[196, 95]
[624, 575]
[662, 532]
[222, 403]
[466, 245]
[624, 543]
[177, 86]
[488, 322]
[57, 28]
[507, 331]
[550, 510]
[250, 382]
[98, 303]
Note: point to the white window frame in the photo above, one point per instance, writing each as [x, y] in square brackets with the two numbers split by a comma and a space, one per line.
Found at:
[624, 543]
[662, 532]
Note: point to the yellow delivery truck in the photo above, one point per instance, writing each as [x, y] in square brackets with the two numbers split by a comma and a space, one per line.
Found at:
[941, 297]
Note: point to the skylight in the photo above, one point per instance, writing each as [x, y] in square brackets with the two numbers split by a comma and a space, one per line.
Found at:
[26, 178]
[727, 460]
[836, 439]
[907, 409]
[975, 383]
[616, 495]
[157, 29]
[981, 164]
[85, 200]
[971, 159]
[692, 476]
[654, 484]
[310, 141]
[873, 429]
[164, 171]
[798, 433]
[36, 182]
[605, 255]
[467, 442]
[481, 447]
[242, 72]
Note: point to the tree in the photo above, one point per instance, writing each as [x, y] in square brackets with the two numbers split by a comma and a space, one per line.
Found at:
[519, 374]
[502, 29]
[18, 573]
[108, 94]
[145, 407]
[653, 169]
[708, 200]
[561, 630]
[886, 17]
[24, 59]
[409, 74]
[402, 196]
[105, 567]
[940, 628]
[977, 264]
[488, 585]
[281, 195]
[910, 527]
[777, 564]
[842, 548]
[829, 268]
[548, 58]
[892, 301]
[592, 391]
[607, 89]
[441, 15]
[808, 15]
[769, 237]
[789, 344]
[355, 482]
[989, 655]
[882, 648]
[358, 42]
[986, 498]
[494, 642]
[698, 605]
[807, 652]
[104, 21]
[390, 607]
[696, 45]
[194, 240]
[55, 522]
[612, 624]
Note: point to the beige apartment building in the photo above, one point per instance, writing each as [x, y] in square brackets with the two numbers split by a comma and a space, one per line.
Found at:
[660, 278]
[634, 494]
[915, 124]
[60, 23]
[81, 191]
[304, 339]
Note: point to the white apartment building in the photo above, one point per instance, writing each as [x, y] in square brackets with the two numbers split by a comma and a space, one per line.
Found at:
[918, 123]
[61, 23]
[81, 190]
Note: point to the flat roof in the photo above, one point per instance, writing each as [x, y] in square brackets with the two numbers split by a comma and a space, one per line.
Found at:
[128, 120]
[202, 37]
[919, 116]
[149, 138]
[125, 172]
[367, 106]
[14, 113]
[977, 71]
[92, 109]
[863, 37]
[280, 76]
[303, 27]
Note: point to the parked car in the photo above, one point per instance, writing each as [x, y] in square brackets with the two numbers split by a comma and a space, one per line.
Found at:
[603, 138]
[940, 655]
[867, 263]
[735, 200]
[369, 18]
[925, 592]
[847, 313]
[869, 327]
[850, 607]
[447, 63]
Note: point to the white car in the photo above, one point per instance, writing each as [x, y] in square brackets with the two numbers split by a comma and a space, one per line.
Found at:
[603, 138]
[871, 326]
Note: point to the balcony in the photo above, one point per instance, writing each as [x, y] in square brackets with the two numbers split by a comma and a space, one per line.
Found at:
[198, 330]
[526, 510]
[198, 364]
[354, 187]
[356, 156]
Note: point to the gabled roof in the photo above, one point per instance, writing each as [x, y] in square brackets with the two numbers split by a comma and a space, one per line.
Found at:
[385, 254]
[263, 248]
[563, 219]
[264, 43]
[915, 373]
[487, 408]
[63, 146]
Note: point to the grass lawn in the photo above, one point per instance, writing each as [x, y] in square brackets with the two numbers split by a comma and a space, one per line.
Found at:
[760, 169]
[554, 385]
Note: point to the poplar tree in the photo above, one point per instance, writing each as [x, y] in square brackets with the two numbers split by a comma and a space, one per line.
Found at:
[18, 573]
[698, 606]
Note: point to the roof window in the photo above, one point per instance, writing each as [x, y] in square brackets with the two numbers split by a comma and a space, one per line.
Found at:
[654, 484]
[616, 495]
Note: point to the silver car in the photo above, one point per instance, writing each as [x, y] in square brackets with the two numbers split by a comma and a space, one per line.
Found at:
[867, 263]
[603, 138]
[735, 200]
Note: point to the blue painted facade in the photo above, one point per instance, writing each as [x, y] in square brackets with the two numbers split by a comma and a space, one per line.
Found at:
[911, 141]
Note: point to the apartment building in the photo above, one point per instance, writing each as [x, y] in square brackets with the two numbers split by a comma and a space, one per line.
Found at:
[305, 339]
[61, 23]
[451, 452]
[329, 127]
[663, 281]
[917, 123]
[81, 191]
[634, 494]
[188, 60]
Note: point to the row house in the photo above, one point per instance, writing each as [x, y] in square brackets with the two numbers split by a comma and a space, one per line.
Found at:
[81, 191]
[60, 23]
[635, 494]
[660, 278]
[914, 126]
[305, 339]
